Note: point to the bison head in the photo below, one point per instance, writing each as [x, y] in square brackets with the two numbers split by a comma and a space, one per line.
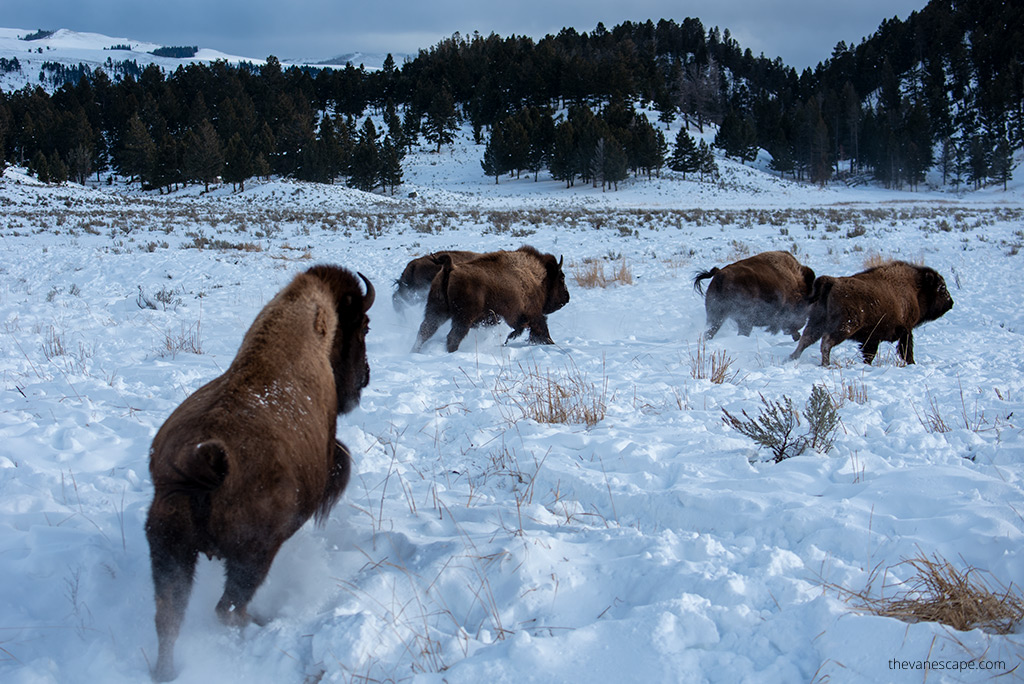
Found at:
[348, 351]
[556, 294]
[934, 297]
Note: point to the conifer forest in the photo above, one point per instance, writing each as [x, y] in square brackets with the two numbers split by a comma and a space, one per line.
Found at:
[941, 91]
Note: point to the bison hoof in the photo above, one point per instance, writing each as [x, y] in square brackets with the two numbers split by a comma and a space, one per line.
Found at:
[163, 672]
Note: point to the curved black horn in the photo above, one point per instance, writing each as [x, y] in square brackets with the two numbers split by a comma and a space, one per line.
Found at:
[560, 260]
[370, 294]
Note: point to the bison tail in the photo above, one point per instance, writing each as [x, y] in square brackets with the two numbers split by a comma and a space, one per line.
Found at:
[704, 275]
[201, 473]
[337, 480]
[445, 260]
[442, 259]
[822, 286]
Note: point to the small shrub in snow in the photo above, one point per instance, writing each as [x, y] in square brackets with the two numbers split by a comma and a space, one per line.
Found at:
[774, 427]
[822, 419]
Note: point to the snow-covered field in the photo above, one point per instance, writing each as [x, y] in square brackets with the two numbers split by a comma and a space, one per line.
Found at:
[473, 543]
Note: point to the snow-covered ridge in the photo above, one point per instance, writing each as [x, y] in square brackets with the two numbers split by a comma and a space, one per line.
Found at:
[72, 48]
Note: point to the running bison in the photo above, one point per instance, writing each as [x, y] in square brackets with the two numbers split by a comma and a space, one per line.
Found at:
[418, 274]
[770, 289]
[884, 303]
[521, 287]
[241, 464]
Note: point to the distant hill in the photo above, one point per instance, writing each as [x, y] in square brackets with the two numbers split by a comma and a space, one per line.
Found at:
[47, 58]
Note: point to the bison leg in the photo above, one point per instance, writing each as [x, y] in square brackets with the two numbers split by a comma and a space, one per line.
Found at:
[432, 320]
[828, 341]
[809, 337]
[539, 332]
[869, 349]
[745, 327]
[714, 322]
[243, 576]
[458, 333]
[173, 558]
[905, 347]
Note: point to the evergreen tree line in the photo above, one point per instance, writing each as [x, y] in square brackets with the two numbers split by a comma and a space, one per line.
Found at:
[942, 90]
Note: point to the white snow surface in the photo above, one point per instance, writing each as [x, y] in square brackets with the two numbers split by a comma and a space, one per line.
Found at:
[474, 543]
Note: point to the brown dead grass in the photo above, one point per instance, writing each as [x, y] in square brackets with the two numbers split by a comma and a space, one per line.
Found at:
[547, 396]
[591, 274]
[939, 592]
[713, 366]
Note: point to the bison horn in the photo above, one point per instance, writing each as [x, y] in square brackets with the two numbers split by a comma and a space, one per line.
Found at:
[370, 294]
[560, 260]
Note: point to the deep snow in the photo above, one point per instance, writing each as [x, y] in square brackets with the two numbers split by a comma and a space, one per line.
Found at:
[474, 544]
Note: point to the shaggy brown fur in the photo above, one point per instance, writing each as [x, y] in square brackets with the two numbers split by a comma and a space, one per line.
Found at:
[418, 274]
[241, 464]
[884, 303]
[770, 289]
[521, 287]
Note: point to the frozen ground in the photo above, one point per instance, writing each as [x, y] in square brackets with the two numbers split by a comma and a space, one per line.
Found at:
[475, 544]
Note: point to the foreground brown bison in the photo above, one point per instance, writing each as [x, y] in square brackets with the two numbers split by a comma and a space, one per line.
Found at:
[769, 290]
[521, 287]
[884, 303]
[418, 274]
[241, 464]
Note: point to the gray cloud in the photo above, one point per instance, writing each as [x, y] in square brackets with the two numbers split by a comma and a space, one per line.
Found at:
[801, 32]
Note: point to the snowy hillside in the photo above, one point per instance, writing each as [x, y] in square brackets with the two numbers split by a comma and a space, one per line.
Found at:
[475, 542]
[72, 48]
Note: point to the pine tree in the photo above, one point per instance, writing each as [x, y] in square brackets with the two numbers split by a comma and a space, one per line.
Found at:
[364, 170]
[40, 167]
[707, 167]
[204, 154]
[138, 152]
[441, 123]
[517, 145]
[1002, 161]
[684, 155]
[411, 127]
[563, 156]
[390, 164]
[615, 167]
[395, 129]
[494, 162]
[782, 154]
[978, 157]
[58, 169]
[238, 163]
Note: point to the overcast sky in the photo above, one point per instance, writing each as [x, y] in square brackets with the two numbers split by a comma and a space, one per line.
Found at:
[801, 32]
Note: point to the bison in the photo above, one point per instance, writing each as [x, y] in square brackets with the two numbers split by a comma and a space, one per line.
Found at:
[521, 287]
[248, 458]
[770, 289]
[418, 274]
[882, 303]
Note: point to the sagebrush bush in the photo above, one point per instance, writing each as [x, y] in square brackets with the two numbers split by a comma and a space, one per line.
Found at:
[774, 427]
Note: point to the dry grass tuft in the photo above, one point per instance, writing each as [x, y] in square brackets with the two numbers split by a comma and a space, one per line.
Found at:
[873, 259]
[556, 397]
[591, 274]
[712, 366]
[939, 592]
